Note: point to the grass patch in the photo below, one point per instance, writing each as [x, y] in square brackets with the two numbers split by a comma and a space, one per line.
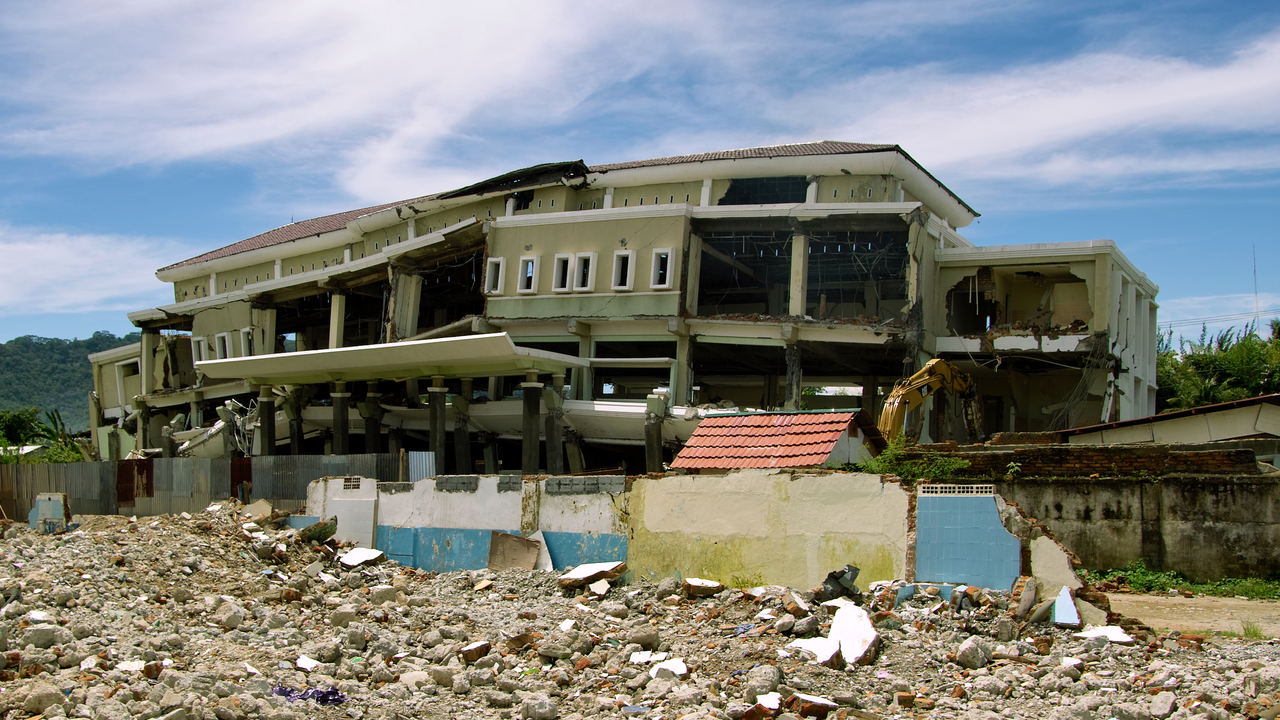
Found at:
[1138, 577]
[890, 461]
[1253, 630]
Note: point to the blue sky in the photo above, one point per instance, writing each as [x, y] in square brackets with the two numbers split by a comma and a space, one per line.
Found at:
[138, 133]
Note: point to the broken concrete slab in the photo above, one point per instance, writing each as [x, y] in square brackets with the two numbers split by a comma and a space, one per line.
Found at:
[544, 556]
[1110, 632]
[360, 556]
[258, 508]
[1027, 600]
[1052, 568]
[588, 573]
[859, 641]
[825, 651]
[698, 587]
[1064, 609]
[507, 551]
[1090, 614]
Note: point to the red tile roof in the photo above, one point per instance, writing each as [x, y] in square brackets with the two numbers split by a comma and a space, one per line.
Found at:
[764, 440]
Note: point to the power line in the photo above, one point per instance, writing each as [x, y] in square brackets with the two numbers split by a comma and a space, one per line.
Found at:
[1216, 319]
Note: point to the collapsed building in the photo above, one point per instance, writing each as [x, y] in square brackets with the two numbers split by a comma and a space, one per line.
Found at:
[602, 307]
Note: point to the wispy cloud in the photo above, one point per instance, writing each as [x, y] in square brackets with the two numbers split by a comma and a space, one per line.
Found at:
[1215, 313]
[1100, 114]
[53, 272]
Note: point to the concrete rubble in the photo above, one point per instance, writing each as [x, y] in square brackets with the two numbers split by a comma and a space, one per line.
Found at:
[178, 618]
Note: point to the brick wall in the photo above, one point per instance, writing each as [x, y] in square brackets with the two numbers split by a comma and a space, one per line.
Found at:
[1104, 460]
[585, 485]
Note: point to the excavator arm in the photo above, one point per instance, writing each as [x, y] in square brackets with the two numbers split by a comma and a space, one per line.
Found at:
[909, 394]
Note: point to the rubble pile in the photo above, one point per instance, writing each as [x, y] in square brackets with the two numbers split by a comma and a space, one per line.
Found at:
[223, 615]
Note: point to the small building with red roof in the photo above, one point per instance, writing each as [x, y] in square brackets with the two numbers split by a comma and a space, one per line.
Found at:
[736, 441]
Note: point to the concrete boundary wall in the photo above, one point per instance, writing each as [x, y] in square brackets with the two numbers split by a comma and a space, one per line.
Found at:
[755, 527]
[1205, 527]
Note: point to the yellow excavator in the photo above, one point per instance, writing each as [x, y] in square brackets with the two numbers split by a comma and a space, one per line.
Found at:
[910, 393]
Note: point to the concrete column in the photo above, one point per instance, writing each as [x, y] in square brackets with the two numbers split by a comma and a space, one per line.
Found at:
[147, 362]
[573, 452]
[168, 448]
[436, 411]
[295, 432]
[704, 199]
[791, 400]
[490, 444]
[461, 431]
[337, 319]
[265, 332]
[197, 412]
[799, 275]
[372, 420]
[532, 428]
[341, 408]
[871, 396]
[412, 396]
[267, 420]
[402, 310]
[554, 428]
[655, 409]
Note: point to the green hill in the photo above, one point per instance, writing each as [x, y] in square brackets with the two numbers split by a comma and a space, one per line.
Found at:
[53, 374]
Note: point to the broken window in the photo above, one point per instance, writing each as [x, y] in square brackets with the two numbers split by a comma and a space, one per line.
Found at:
[971, 305]
[523, 199]
[622, 262]
[766, 190]
[857, 274]
[222, 346]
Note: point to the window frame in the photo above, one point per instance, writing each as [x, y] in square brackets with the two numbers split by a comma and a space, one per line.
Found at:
[630, 279]
[592, 267]
[562, 283]
[495, 281]
[528, 262]
[653, 270]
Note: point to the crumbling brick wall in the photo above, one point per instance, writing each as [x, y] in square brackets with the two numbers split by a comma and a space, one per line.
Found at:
[1104, 460]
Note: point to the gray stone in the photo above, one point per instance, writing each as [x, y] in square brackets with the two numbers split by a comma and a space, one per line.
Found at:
[41, 696]
[1163, 705]
[498, 699]
[454, 632]
[343, 616]
[785, 623]
[229, 615]
[646, 636]
[46, 635]
[806, 625]
[1130, 711]
[384, 594]
[443, 675]
[538, 707]
[761, 680]
[973, 653]
[667, 587]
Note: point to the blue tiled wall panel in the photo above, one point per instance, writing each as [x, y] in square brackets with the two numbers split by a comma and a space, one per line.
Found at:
[572, 549]
[446, 549]
[961, 540]
[301, 521]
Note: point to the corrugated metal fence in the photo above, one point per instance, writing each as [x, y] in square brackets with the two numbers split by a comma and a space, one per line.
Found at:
[173, 485]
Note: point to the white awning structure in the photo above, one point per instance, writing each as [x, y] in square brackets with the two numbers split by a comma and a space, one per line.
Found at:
[493, 354]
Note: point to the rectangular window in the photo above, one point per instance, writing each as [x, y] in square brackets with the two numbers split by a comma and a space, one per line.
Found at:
[584, 272]
[560, 281]
[495, 276]
[623, 261]
[246, 342]
[661, 276]
[222, 346]
[197, 349]
[523, 199]
[528, 282]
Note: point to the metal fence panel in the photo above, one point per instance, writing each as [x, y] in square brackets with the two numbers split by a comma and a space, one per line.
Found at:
[422, 465]
[183, 477]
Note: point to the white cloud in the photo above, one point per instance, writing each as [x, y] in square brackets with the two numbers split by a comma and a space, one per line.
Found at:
[52, 272]
[1099, 114]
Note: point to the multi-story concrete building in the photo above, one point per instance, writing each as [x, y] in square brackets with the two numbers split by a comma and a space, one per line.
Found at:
[597, 296]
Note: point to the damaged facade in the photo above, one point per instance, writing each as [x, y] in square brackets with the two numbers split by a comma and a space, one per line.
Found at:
[575, 303]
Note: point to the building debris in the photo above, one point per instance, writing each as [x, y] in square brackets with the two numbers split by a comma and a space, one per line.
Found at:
[100, 623]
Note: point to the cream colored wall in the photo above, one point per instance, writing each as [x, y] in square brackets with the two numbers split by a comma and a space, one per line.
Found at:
[853, 188]
[229, 318]
[754, 527]
[643, 235]
[298, 264]
[665, 194]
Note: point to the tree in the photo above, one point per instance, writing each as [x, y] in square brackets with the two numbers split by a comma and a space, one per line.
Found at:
[1228, 365]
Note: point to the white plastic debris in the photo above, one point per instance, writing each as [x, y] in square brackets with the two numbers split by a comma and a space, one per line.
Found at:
[1111, 632]
[567, 625]
[251, 669]
[674, 667]
[644, 657]
[130, 666]
[307, 664]
[359, 556]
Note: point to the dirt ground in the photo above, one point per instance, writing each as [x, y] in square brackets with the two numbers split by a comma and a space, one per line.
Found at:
[1199, 614]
